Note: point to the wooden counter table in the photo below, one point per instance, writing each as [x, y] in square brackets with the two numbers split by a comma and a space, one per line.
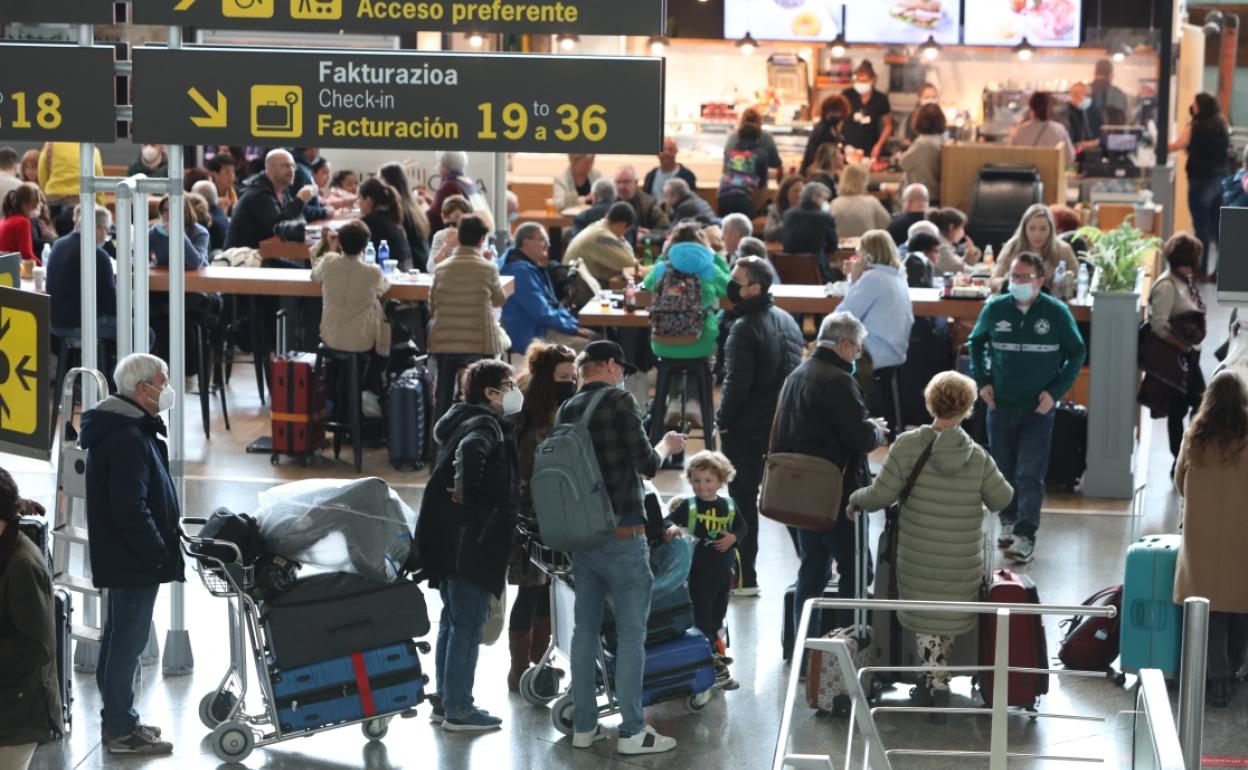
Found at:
[277, 282]
[815, 301]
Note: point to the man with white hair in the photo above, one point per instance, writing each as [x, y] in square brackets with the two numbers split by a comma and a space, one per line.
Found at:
[453, 168]
[265, 203]
[64, 282]
[650, 215]
[915, 200]
[735, 228]
[821, 412]
[683, 203]
[133, 531]
[219, 228]
[603, 193]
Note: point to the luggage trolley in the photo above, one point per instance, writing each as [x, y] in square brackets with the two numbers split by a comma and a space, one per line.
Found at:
[540, 683]
[234, 731]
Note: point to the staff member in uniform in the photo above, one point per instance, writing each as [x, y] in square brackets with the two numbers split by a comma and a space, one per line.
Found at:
[870, 121]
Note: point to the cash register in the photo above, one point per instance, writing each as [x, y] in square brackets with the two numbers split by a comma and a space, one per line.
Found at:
[1115, 155]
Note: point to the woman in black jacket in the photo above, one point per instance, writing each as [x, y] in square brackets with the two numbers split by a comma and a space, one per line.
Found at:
[415, 223]
[465, 527]
[832, 112]
[1207, 141]
[383, 213]
[30, 697]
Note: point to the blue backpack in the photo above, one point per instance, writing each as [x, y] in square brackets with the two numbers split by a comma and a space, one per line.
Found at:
[570, 497]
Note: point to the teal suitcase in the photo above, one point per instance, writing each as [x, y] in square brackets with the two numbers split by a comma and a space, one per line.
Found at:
[1152, 624]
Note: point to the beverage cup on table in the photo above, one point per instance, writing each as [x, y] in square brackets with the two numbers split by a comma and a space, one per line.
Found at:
[389, 266]
[604, 297]
[550, 207]
[38, 273]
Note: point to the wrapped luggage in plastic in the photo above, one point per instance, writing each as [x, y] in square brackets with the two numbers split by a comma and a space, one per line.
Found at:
[358, 526]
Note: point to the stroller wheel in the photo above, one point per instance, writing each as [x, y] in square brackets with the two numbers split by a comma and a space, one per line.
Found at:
[232, 741]
[561, 714]
[538, 686]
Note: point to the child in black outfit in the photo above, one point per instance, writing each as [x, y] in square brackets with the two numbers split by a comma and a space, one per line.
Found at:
[713, 522]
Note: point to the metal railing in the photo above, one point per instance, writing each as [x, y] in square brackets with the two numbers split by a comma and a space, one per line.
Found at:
[1155, 743]
[862, 714]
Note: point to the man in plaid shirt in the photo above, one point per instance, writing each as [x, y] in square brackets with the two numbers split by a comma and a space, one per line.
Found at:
[621, 567]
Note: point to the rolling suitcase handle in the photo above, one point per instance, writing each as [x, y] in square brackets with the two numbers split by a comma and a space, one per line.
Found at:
[281, 346]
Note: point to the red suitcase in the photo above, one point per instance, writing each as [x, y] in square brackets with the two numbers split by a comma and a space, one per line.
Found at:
[1028, 646]
[298, 408]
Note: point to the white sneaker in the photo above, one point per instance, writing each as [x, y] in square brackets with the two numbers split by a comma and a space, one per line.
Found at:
[1023, 550]
[370, 405]
[693, 412]
[746, 591]
[585, 740]
[645, 742]
[1006, 537]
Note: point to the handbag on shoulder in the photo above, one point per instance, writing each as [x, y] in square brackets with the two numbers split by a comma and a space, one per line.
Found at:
[800, 490]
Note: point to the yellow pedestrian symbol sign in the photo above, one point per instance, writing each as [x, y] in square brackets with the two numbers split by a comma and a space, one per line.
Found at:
[24, 397]
[277, 111]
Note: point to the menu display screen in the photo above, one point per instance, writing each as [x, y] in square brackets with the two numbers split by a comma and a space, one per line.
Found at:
[1045, 23]
[799, 20]
[902, 21]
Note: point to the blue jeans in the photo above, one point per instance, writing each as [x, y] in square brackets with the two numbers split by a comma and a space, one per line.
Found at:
[127, 619]
[817, 551]
[1204, 201]
[1019, 443]
[620, 568]
[464, 610]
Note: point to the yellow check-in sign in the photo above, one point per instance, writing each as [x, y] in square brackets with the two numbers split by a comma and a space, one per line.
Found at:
[25, 403]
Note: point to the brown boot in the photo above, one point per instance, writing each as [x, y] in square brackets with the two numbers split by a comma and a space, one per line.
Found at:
[519, 642]
[541, 639]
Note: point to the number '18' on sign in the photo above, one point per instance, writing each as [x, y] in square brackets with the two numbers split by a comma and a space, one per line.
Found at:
[57, 93]
[565, 122]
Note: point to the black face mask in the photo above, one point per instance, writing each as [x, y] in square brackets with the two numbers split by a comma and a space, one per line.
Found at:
[564, 390]
[734, 292]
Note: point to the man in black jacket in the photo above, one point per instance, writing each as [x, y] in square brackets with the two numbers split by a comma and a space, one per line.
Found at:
[264, 202]
[132, 521]
[464, 531]
[683, 203]
[822, 413]
[764, 346]
[810, 229]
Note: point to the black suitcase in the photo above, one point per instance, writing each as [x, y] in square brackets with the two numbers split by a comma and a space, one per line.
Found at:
[1068, 452]
[36, 528]
[820, 626]
[331, 615]
[408, 404]
[64, 609]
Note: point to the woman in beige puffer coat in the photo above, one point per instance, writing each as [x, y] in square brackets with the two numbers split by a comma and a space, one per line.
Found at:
[465, 292]
[941, 543]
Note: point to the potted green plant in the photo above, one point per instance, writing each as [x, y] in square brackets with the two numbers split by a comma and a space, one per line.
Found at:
[1117, 256]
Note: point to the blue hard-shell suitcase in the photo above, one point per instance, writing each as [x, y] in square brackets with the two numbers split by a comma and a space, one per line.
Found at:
[363, 684]
[408, 405]
[1152, 624]
[679, 668]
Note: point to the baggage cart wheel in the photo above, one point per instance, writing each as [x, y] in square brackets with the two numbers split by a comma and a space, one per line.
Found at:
[699, 701]
[232, 741]
[1120, 678]
[273, 458]
[561, 714]
[539, 686]
[376, 729]
[215, 707]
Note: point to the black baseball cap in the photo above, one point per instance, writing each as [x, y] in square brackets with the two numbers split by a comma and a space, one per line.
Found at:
[606, 350]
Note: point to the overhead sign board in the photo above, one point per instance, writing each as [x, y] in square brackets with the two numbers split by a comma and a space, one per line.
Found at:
[425, 101]
[57, 11]
[56, 92]
[585, 17]
[25, 405]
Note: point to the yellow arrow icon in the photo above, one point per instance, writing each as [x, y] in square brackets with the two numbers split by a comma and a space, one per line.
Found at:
[184, 5]
[213, 117]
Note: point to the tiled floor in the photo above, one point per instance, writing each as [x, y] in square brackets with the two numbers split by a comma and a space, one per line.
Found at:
[1078, 554]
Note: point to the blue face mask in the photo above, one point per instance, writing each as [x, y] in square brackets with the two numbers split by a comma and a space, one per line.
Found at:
[1022, 292]
[621, 385]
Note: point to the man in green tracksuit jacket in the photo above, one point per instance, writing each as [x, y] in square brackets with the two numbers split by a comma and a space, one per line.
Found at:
[1025, 354]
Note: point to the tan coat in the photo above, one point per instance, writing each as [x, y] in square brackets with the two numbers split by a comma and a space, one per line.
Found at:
[352, 319]
[605, 256]
[465, 291]
[1215, 528]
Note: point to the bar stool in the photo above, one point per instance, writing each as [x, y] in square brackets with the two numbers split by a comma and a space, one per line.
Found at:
[696, 371]
[347, 390]
[210, 336]
[889, 378]
[67, 347]
[447, 385]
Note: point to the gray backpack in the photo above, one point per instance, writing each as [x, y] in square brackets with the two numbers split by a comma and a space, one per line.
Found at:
[574, 511]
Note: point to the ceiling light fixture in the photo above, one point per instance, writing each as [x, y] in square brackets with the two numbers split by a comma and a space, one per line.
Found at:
[839, 46]
[747, 44]
[567, 42]
[930, 50]
[657, 44]
[475, 40]
[1025, 50]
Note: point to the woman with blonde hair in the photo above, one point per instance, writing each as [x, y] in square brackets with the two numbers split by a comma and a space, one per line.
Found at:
[1212, 476]
[854, 209]
[939, 553]
[1037, 233]
[880, 297]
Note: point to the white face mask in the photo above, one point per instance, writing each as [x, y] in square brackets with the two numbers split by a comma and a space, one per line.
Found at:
[862, 88]
[149, 153]
[513, 401]
[164, 402]
[928, 100]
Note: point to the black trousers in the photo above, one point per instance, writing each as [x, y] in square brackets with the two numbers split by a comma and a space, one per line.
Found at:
[531, 602]
[1182, 403]
[1228, 643]
[747, 451]
[710, 582]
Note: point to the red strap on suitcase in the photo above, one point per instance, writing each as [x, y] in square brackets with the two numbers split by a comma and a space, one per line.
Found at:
[361, 681]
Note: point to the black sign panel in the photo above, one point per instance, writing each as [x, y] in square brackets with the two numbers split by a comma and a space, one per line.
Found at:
[25, 405]
[56, 92]
[586, 17]
[483, 102]
[57, 11]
